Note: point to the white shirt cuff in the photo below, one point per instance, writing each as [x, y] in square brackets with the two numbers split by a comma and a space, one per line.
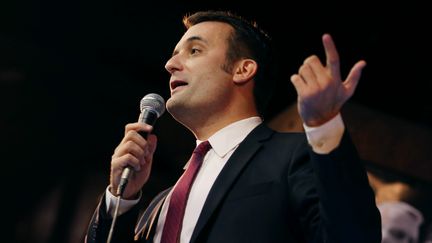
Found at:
[125, 205]
[325, 138]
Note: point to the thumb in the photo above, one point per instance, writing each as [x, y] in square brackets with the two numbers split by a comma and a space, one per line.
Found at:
[353, 78]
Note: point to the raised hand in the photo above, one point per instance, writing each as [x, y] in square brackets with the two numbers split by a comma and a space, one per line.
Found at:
[320, 89]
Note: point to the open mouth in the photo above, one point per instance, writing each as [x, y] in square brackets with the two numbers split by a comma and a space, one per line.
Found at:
[177, 83]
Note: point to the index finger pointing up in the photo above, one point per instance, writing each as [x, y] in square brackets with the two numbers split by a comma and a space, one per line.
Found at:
[332, 56]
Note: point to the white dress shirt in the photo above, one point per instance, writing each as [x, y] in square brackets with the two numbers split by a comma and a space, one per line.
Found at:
[323, 140]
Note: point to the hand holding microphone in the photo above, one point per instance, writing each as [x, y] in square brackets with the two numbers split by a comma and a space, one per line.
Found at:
[135, 152]
[133, 157]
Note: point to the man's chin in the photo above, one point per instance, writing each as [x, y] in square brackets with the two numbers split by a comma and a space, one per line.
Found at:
[174, 106]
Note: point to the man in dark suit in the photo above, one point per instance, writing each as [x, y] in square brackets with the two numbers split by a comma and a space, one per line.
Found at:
[254, 185]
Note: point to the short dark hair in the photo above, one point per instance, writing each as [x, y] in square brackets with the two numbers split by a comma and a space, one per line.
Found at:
[246, 41]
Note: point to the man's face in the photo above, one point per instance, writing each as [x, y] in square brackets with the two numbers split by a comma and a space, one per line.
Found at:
[199, 85]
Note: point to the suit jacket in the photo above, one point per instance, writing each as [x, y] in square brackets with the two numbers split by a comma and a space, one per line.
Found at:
[274, 188]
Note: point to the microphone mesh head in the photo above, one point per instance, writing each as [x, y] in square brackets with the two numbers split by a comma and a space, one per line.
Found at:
[154, 102]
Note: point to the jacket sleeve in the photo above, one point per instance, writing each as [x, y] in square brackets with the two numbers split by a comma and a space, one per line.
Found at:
[100, 224]
[332, 197]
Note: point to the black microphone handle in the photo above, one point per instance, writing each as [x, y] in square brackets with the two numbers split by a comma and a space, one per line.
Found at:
[148, 116]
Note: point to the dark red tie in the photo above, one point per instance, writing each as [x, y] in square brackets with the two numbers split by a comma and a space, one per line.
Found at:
[177, 204]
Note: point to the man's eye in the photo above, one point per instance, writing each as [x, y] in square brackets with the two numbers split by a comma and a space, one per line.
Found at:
[195, 51]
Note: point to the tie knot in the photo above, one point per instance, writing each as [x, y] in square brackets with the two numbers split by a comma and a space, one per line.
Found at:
[202, 148]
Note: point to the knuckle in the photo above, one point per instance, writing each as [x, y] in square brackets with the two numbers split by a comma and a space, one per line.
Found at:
[130, 158]
[116, 163]
[129, 144]
[130, 134]
[302, 69]
[128, 127]
[333, 61]
[311, 59]
[116, 151]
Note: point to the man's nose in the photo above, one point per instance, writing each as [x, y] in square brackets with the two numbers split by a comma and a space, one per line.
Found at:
[173, 64]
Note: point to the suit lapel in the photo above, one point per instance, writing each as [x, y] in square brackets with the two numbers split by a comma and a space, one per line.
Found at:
[229, 173]
[144, 228]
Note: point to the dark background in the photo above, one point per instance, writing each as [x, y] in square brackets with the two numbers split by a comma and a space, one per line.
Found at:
[72, 74]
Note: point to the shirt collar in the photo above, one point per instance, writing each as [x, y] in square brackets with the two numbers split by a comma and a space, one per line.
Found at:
[230, 136]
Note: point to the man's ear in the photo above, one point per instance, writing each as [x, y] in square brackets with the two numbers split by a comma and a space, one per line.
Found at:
[244, 71]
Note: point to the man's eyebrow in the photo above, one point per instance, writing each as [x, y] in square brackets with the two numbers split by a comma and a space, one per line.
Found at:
[191, 39]
[198, 38]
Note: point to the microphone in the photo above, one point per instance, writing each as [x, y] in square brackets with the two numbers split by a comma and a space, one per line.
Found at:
[152, 106]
